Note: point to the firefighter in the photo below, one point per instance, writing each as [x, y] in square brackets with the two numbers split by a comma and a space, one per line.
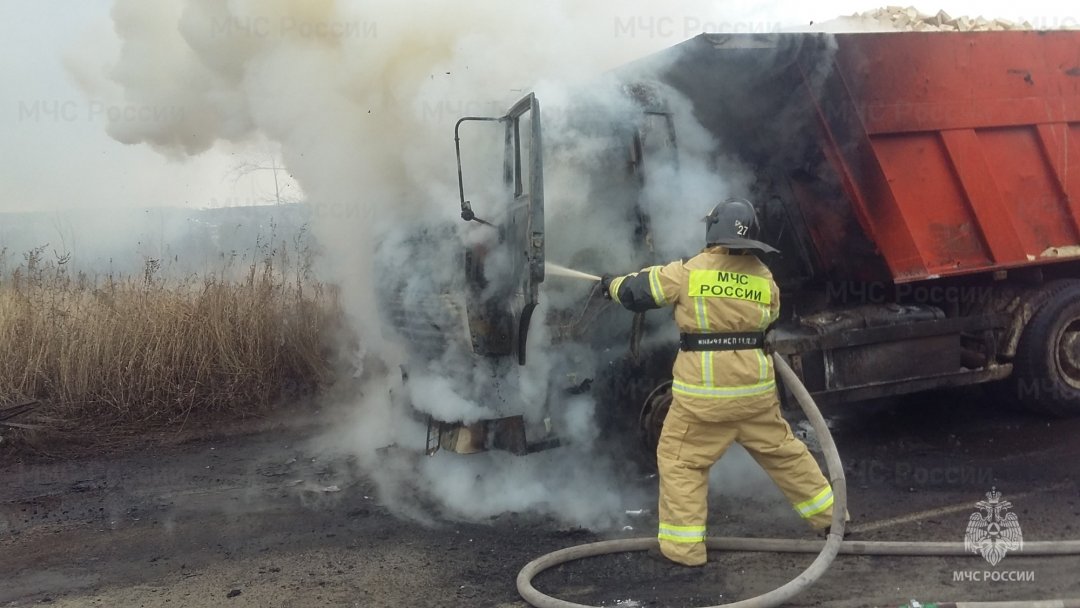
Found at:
[724, 387]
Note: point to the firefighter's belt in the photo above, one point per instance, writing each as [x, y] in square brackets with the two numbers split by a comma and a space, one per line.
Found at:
[726, 341]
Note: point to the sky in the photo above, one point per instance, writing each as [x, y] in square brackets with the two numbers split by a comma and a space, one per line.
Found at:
[56, 153]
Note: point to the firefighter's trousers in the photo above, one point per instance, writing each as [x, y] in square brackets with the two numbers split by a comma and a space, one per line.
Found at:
[689, 447]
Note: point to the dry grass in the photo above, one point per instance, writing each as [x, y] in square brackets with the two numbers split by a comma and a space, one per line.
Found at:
[149, 351]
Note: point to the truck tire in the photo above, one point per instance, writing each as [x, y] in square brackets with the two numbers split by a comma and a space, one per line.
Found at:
[1046, 369]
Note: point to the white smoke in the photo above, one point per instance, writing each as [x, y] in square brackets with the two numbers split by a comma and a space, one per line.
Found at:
[362, 98]
[437, 395]
[678, 198]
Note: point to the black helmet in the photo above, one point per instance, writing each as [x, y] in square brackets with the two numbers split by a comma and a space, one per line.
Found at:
[734, 224]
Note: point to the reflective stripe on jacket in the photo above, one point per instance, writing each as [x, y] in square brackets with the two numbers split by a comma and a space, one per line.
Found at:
[713, 292]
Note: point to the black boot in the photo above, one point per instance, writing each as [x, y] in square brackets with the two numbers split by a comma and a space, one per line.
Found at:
[824, 533]
[658, 556]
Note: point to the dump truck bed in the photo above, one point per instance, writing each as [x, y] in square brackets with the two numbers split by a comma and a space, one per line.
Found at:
[907, 156]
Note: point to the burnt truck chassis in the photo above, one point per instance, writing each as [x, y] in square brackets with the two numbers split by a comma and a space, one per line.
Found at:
[847, 330]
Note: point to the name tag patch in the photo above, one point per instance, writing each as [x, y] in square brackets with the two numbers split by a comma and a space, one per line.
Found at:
[727, 284]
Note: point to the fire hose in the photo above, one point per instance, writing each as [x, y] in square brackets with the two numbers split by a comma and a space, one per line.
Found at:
[827, 551]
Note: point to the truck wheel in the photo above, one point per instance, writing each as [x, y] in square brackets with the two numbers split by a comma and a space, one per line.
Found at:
[622, 391]
[1047, 364]
[651, 420]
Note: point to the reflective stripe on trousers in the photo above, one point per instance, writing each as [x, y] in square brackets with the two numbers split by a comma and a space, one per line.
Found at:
[818, 504]
[681, 534]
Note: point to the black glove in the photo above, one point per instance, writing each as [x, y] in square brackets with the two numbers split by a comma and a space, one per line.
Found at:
[605, 285]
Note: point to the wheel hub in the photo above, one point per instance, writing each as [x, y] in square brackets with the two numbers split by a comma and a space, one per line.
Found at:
[1068, 354]
[653, 412]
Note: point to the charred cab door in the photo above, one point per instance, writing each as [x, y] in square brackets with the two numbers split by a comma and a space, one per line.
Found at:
[504, 272]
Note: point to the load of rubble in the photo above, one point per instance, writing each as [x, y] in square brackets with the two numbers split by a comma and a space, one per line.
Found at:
[910, 19]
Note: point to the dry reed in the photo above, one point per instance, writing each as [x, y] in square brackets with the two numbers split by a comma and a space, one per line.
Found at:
[153, 351]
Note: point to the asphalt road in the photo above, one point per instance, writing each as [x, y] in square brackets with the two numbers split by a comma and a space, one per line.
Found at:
[258, 520]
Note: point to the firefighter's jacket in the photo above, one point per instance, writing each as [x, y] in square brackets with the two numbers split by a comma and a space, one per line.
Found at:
[714, 292]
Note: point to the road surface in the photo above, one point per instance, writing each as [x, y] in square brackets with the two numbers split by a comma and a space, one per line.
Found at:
[256, 520]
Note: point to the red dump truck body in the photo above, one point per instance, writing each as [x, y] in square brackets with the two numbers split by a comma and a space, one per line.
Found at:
[929, 154]
[974, 140]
